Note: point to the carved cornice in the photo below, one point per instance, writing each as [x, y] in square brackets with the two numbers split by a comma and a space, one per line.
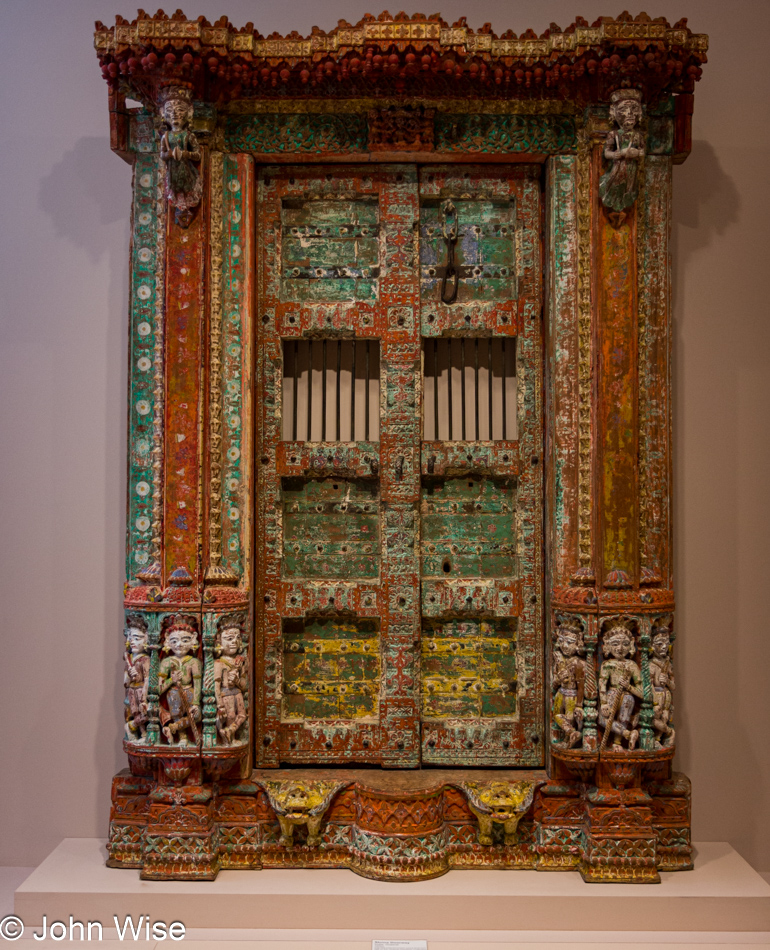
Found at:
[583, 62]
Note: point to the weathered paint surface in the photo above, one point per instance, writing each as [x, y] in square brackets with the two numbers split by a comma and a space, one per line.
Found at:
[237, 323]
[336, 541]
[330, 249]
[505, 580]
[379, 513]
[468, 527]
[146, 244]
[617, 437]
[331, 669]
[655, 368]
[331, 528]
[564, 434]
[465, 636]
[485, 254]
[488, 251]
[468, 669]
[185, 255]
[474, 133]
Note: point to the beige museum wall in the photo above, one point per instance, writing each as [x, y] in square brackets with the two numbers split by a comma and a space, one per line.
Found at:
[64, 210]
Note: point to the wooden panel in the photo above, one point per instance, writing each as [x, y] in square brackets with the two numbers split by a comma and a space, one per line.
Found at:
[337, 260]
[185, 254]
[617, 403]
[481, 502]
[487, 251]
[468, 669]
[468, 528]
[562, 329]
[330, 249]
[331, 528]
[484, 253]
[331, 669]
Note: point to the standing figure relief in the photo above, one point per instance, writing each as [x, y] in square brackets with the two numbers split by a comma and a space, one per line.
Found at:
[135, 678]
[231, 683]
[620, 690]
[569, 673]
[624, 149]
[179, 681]
[180, 151]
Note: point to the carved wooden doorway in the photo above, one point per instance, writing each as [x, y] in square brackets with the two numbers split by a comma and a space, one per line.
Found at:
[399, 451]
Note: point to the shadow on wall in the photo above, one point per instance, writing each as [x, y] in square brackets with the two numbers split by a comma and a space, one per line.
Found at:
[707, 215]
[79, 195]
[85, 192]
[707, 203]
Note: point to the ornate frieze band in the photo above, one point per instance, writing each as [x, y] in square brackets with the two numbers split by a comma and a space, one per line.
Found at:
[422, 46]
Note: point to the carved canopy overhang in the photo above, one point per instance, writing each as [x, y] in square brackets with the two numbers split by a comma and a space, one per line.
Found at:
[404, 56]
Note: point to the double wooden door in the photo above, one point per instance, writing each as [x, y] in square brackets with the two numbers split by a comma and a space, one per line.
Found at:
[399, 491]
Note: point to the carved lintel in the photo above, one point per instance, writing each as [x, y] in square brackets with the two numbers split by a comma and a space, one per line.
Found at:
[499, 803]
[301, 803]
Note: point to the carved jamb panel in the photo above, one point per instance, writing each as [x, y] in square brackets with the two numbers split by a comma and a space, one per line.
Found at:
[230, 342]
[565, 369]
[185, 307]
[145, 477]
[654, 292]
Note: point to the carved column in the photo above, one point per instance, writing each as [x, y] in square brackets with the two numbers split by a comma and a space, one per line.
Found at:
[610, 442]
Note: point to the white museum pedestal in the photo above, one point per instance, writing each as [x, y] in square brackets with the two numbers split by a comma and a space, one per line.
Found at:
[722, 895]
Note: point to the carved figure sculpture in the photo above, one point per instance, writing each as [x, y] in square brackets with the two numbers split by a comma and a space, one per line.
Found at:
[179, 680]
[135, 677]
[499, 803]
[620, 689]
[663, 685]
[230, 683]
[623, 148]
[569, 672]
[301, 803]
[179, 149]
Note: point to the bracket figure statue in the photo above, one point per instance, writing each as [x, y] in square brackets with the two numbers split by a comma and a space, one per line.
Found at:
[569, 673]
[179, 679]
[301, 803]
[623, 148]
[230, 682]
[179, 149]
[135, 678]
[499, 803]
[620, 689]
[663, 684]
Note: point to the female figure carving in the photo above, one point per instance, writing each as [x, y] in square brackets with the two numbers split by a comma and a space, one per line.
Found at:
[623, 148]
[662, 679]
[230, 683]
[569, 673]
[135, 676]
[179, 680]
[179, 149]
[620, 689]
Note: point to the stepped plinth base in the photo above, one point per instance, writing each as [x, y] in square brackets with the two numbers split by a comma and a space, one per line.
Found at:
[398, 825]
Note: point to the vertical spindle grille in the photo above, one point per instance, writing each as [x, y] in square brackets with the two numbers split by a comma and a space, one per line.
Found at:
[331, 391]
[469, 390]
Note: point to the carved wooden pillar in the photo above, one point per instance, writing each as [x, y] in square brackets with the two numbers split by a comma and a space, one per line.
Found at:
[609, 486]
